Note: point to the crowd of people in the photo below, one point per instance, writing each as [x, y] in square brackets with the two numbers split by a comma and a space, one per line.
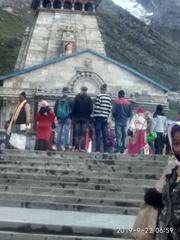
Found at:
[83, 124]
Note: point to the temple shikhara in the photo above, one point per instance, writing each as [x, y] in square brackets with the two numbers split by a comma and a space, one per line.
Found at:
[64, 47]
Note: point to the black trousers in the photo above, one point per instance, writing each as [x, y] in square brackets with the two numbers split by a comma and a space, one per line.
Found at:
[42, 145]
[159, 143]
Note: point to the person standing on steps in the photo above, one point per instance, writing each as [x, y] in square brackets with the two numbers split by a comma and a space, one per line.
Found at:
[19, 123]
[44, 122]
[159, 125]
[102, 109]
[137, 143]
[81, 112]
[121, 112]
[63, 110]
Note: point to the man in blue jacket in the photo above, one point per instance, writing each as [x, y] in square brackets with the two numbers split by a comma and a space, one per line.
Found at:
[121, 112]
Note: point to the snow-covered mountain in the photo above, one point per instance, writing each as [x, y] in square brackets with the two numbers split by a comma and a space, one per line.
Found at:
[166, 12]
[136, 9]
[161, 13]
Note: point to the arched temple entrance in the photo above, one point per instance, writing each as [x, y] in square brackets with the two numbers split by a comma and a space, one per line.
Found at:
[89, 79]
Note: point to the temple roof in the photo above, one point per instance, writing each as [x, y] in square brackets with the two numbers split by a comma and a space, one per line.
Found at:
[62, 58]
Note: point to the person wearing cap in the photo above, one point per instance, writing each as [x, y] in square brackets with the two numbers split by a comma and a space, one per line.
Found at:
[121, 113]
[102, 109]
[44, 121]
[138, 140]
[159, 125]
[81, 114]
[20, 120]
[63, 109]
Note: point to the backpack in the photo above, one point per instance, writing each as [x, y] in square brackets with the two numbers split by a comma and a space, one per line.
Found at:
[63, 110]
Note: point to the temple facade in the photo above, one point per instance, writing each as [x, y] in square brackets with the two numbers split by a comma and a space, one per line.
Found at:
[64, 47]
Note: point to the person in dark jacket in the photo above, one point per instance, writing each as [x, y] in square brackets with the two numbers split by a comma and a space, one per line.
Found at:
[35, 4]
[81, 112]
[166, 195]
[121, 112]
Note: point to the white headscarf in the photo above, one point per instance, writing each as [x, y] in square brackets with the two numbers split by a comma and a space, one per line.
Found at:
[170, 139]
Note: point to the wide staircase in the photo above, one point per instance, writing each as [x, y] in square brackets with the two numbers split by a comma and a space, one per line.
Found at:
[72, 196]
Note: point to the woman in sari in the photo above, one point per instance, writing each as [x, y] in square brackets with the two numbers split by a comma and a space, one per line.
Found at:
[138, 126]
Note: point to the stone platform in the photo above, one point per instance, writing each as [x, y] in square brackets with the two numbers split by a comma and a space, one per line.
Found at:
[55, 195]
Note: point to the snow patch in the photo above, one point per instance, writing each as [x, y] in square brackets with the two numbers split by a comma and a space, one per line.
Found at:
[135, 9]
[8, 9]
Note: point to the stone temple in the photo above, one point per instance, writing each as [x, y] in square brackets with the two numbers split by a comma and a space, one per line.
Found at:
[68, 196]
[64, 47]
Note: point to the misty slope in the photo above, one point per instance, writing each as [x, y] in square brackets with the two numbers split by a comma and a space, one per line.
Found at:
[19, 8]
[12, 29]
[132, 42]
[166, 12]
[166, 16]
[136, 9]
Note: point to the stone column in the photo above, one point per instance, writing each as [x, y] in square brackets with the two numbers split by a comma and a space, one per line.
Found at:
[83, 7]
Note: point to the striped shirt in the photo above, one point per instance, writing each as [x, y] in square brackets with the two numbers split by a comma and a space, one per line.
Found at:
[102, 105]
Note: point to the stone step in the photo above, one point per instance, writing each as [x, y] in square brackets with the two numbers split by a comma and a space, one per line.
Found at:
[80, 179]
[72, 162]
[86, 166]
[79, 207]
[66, 199]
[121, 192]
[76, 172]
[127, 184]
[71, 193]
[5, 235]
[81, 156]
[68, 223]
[128, 166]
[85, 157]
